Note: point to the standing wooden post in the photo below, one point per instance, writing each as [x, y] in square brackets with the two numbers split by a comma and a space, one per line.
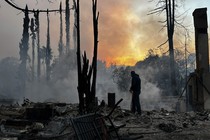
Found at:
[111, 99]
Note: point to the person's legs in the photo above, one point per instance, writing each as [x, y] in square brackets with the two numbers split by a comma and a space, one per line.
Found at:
[137, 103]
[138, 106]
[133, 104]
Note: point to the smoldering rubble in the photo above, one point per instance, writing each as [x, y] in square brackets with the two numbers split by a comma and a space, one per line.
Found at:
[53, 121]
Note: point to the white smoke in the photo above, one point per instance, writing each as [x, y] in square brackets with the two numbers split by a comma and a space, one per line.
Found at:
[9, 78]
[151, 96]
[64, 88]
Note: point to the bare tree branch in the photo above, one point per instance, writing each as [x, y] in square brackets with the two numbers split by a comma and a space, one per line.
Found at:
[162, 44]
[162, 21]
[163, 27]
[165, 52]
[158, 10]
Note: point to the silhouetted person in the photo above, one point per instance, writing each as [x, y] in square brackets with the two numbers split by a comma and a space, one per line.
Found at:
[135, 89]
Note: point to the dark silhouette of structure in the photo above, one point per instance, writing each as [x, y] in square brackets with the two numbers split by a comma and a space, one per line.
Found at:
[86, 73]
[198, 95]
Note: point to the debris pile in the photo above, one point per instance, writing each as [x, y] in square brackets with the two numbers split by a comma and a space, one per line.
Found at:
[53, 121]
[37, 121]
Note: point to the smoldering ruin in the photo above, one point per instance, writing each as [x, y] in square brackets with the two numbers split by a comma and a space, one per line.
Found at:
[74, 97]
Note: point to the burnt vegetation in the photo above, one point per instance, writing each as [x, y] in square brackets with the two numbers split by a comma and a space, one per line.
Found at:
[68, 59]
[42, 67]
[171, 23]
[39, 70]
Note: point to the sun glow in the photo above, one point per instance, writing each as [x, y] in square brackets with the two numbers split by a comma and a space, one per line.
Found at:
[129, 57]
[130, 51]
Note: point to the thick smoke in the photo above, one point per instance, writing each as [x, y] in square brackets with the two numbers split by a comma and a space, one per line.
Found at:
[9, 81]
[63, 88]
[151, 96]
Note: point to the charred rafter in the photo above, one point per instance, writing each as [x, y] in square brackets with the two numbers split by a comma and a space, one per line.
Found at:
[30, 10]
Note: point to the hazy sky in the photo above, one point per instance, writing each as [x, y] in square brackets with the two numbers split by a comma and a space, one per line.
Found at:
[126, 32]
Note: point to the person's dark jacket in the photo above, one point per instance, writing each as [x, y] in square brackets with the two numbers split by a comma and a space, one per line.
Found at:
[136, 84]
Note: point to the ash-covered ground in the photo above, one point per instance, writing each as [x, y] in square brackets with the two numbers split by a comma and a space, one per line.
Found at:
[52, 121]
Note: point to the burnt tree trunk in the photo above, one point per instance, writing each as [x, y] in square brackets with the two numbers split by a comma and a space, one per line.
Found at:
[48, 50]
[95, 52]
[79, 88]
[75, 29]
[60, 45]
[170, 16]
[33, 37]
[67, 27]
[36, 15]
[91, 98]
[24, 45]
[86, 88]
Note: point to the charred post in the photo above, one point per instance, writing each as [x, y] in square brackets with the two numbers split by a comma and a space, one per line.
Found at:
[60, 44]
[67, 27]
[36, 15]
[79, 71]
[95, 53]
[33, 37]
[75, 23]
[86, 87]
[48, 49]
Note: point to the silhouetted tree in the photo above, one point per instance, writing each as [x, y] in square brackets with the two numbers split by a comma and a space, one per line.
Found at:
[157, 67]
[169, 7]
[80, 87]
[24, 45]
[121, 76]
[60, 44]
[36, 15]
[170, 16]
[95, 52]
[67, 26]
[33, 37]
[48, 50]
[75, 23]
[85, 72]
